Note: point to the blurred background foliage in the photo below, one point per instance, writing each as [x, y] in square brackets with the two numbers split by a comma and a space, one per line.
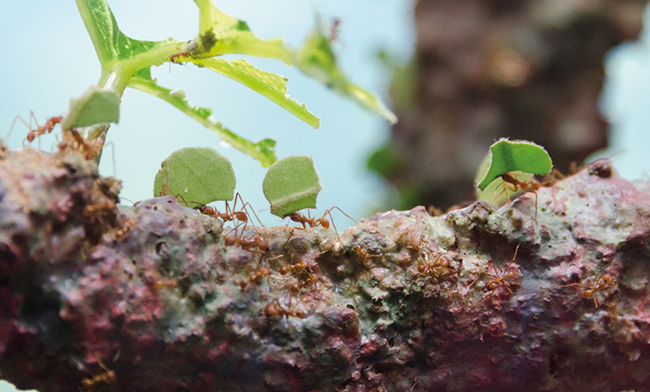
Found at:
[485, 69]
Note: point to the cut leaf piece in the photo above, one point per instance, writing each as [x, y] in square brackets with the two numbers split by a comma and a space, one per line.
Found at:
[95, 106]
[291, 184]
[200, 174]
[516, 155]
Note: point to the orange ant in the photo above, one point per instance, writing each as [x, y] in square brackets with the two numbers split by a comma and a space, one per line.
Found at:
[165, 283]
[308, 220]
[256, 241]
[334, 30]
[123, 231]
[89, 149]
[511, 182]
[173, 58]
[365, 256]
[275, 309]
[502, 278]
[230, 214]
[603, 282]
[108, 377]
[256, 278]
[440, 262]
[302, 272]
[34, 133]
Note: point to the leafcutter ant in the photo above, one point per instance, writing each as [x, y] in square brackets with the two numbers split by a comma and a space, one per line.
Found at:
[256, 241]
[602, 282]
[275, 309]
[502, 278]
[334, 30]
[312, 222]
[511, 182]
[255, 278]
[303, 272]
[230, 214]
[173, 58]
[107, 377]
[34, 133]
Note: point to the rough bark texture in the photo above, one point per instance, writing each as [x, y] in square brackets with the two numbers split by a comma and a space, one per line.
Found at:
[103, 297]
[485, 69]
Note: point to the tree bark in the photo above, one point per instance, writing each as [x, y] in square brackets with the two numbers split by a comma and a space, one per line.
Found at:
[99, 296]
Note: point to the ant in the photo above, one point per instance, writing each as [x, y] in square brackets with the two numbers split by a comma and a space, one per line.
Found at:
[123, 231]
[34, 133]
[308, 220]
[165, 283]
[256, 241]
[230, 214]
[108, 377]
[334, 30]
[502, 278]
[77, 142]
[603, 282]
[173, 58]
[441, 261]
[256, 278]
[275, 309]
[96, 211]
[364, 256]
[511, 182]
[302, 272]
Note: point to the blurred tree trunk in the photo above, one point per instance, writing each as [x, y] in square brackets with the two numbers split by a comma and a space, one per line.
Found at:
[485, 69]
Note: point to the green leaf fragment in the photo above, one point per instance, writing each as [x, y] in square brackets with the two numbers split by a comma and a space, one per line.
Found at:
[516, 155]
[95, 106]
[291, 184]
[199, 174]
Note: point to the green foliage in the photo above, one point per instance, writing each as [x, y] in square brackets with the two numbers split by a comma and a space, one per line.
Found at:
[127, 62]
[93, 107]
[199, 174]
[385, 161]
[291, 184]
[516, 155]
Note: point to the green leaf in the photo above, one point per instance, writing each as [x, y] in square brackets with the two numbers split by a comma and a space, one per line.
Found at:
[95, 106]
[263, 151]
[291, 184]
[199, 174]
[120, 56]
[316, 59]
[268, 84]
[516, 155]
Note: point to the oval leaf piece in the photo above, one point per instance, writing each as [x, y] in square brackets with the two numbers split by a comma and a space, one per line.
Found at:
[200, 174]
[516, 155]
[291, 184]
[95, 106]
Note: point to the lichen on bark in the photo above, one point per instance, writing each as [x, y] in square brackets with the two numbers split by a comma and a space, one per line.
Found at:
[98, 295]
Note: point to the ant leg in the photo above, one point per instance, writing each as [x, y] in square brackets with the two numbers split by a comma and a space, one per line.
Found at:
[341, 213]
[11, 128]
[113, 157]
